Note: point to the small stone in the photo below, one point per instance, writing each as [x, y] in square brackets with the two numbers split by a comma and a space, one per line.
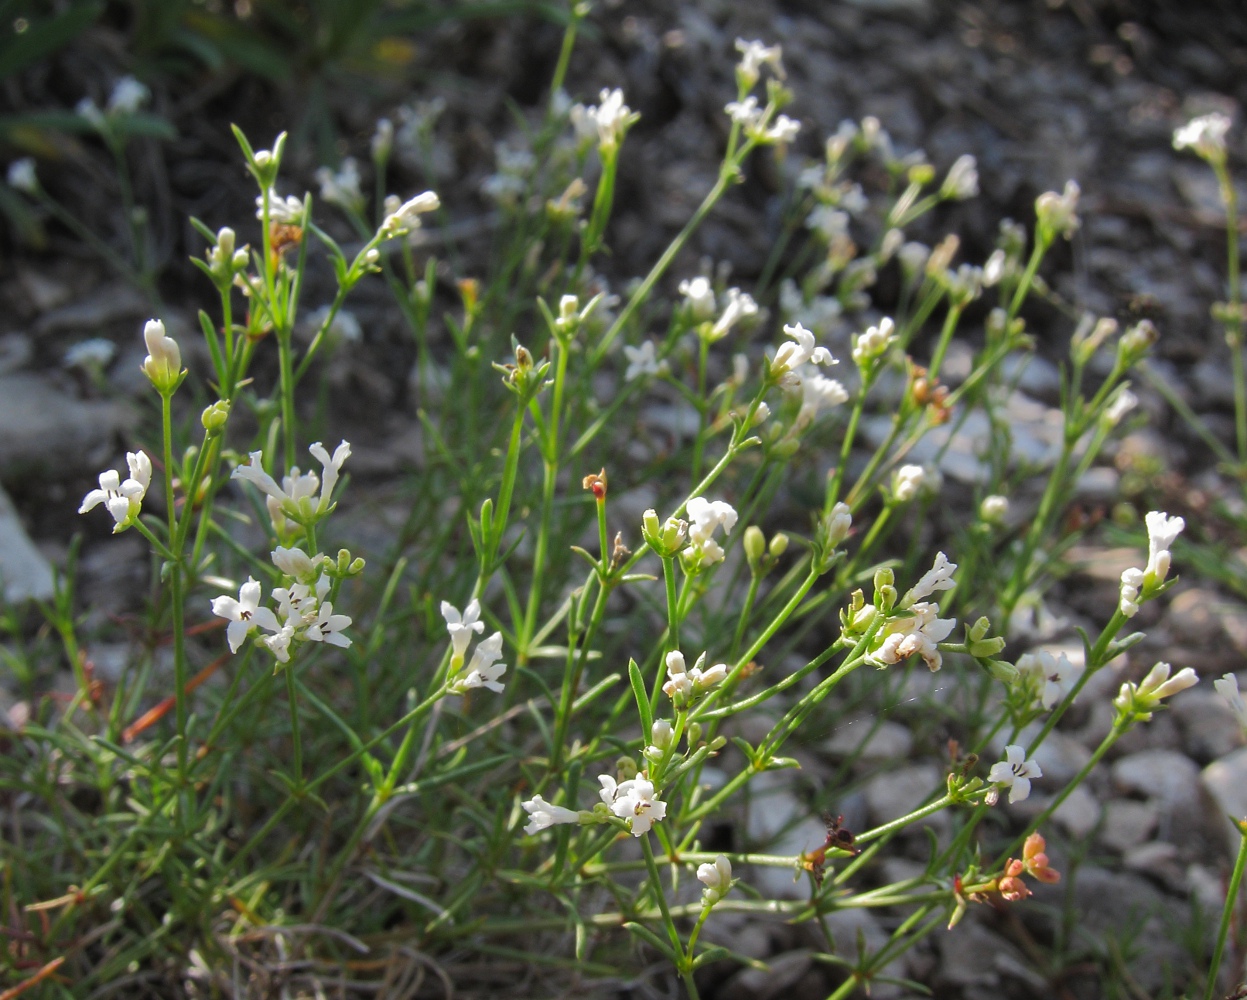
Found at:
[780, 975]
[1079, 813]
[1128, 824]
[1226, 781]
[1169, 777]
[889, 741]
[24, 572]
[897, 793]
[1209, 728]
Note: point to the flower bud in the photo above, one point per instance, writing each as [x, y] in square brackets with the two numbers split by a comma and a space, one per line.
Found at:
[1136, 342]
[661, 734]
[626, 768]
[755, 545]
[994, 508]
[778, 546]
[163, 364]
[985, 649]
[215, 416]
[692, 735]
[837, 525]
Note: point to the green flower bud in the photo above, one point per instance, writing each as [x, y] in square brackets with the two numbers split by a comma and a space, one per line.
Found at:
[215, 416]
[755, 545]
[778, 546]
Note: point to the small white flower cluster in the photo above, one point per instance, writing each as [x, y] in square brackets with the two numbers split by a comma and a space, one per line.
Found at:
[922, 629]
[608, 122]
[685, 683]
[791, 356]
[717, 878]
[543, 815]
[1058, 213]
[634, 800]
[1052, 677]
[1014, 773]
[286, 211]
[1139, 700]
[643, 360]
[699, 298]
[962, 181]
[483, 670]
[739, 306]
[123, 498]
[296, 498]
[874, 342]
[303, 613]
[704, 517]
[1139, 584]
[127, 97]
[910, 481]
[341, 187]
[753, 56]
[1205, 135]
[403, 217]
[752, 118]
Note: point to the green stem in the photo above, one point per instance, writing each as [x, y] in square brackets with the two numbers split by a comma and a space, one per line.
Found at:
[1227, 912]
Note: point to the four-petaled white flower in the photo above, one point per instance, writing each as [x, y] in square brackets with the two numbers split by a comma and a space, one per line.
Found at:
[483, 670]
[792, 356]
[1162, 530]
[739, 306]
[1015, 773]
[279, 643]
[286, 211]
[642, 361]
[327, 627]
[747, 114]
[1205, 135]
[1227, 689]
[244, 614]
[462, 626]
[543, 815]
[405, 217]
[753, 56]
[634, 800]
[1054, 676]
[920, 633]
[717, 878]
[124, 499]
[963, 179]
[704, 517]
[699, 294]
[938, 577]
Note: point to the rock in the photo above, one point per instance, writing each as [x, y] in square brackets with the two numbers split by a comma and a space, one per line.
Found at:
[45, 432]
[1226, 781]
[1169, 777]
[24, 572]
[1209, 728]
[114, 302]
[971, 955]
[780, 823]
[1206, 620]
[781, 974]
[889, 741]
[1128, 824]
[896, 793]
[1079, 813]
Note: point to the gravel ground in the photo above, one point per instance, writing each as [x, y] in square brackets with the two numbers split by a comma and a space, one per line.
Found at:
[1038, 92]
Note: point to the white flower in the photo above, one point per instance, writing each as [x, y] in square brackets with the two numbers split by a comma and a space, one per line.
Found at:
[792, 356]
[244, 614]
[753, 56]
[128, 96]
[1227, 688]
[1205, 135]
[462, 626]
[817, 394]
[406, 217]
[994, 268]
[913, 257]
[543, 815]
[1056, 674]
[123, 499]
[642, 361]
[1122, 403]
[1141, 699]
[294, 562]
[907, 481]
[717, 878]
[611, 119]
[1015, 773]
[745, 113]
[661, 735]
[1131, 585]
[783, 130]
[962, 181]
[163, 364]
[1162, 530]
[830, 223]
[918, 634]
[699, 294]
[88, 109]
[286, 211]
[938, 577]
[739, 306]
[95, 352]
[22, 175]
[279, 643]
[704, 517]
[483, 669]
[331, 466]
[680, 685]
[1058, 213]
[341, 187]
[327, 627]
[875, 340]
[838, 524]
[633, 800]
[382, 139]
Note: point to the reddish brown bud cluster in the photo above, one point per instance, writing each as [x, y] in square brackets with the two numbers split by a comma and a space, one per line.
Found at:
[596, 483]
